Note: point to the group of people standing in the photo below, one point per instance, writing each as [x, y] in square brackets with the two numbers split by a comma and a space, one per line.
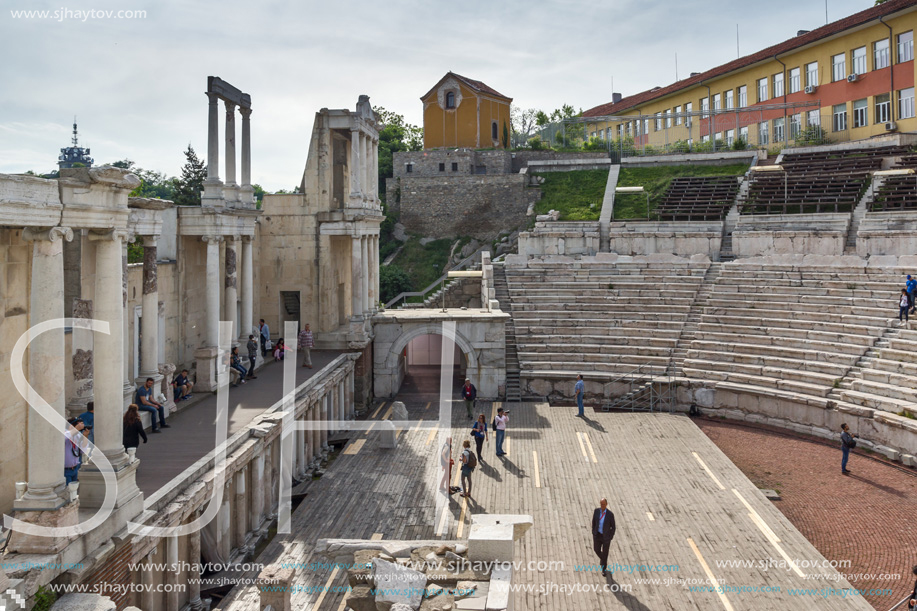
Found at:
[470, 459]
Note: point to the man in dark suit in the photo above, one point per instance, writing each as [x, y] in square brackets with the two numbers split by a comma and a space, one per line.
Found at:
[603, 531]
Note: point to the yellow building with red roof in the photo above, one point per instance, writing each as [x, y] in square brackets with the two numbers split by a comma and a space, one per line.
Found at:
[459, 112]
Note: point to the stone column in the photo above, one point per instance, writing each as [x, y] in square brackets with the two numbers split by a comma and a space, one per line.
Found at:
[230, 189]
[376, 264]
[109, 356]
[45, 457]
[148, 593]
[246, 190]
[349, 407]
[194, 573]
[247, 322]
[208, 355]
[129, 388]
[257, 512]
[213, 186]
[268, 510]
[375, 146]
[299, 460]
[171, 577]
[149, 353]
[355, 163]
[326, 430]
[364, 261]
[342, 398]
[240, 511]
[356, 275]
[314, 443]
[231, 297]
[372, 272]
[364, 167]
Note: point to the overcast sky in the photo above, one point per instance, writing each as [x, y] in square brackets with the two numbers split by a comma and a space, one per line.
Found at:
[137, 85]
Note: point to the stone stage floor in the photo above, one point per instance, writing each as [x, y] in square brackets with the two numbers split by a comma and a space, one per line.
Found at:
[683, 511]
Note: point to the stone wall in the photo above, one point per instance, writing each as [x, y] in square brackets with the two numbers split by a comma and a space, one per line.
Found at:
[521, 159]
[170, 339]
[475, 206]
[683, 238]
[15, 255]
[814, 234]
[551, 238]
[887, 233]
[426, 164]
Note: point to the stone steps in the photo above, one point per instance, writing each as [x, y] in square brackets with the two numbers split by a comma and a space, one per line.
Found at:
[777, 368]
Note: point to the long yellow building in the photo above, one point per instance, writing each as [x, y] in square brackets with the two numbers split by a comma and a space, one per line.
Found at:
[459, 112]
[848, 80]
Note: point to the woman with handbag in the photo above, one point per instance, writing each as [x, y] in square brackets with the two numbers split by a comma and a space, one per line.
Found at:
[479, 432]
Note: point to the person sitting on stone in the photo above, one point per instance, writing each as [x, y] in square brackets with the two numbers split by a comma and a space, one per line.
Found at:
[182, 385]
[146, 403]
[279, 350]
[235, 363]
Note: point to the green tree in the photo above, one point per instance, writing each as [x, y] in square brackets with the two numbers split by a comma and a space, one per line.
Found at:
[395, 135]
[188, 188]
[392, 282]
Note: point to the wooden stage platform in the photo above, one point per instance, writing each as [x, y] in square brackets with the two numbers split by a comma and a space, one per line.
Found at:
[684, 513]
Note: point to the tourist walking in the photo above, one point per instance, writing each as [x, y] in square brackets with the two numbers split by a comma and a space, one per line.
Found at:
[265, 332]
[911, 287]
[603, 531]
[500, 423]
[252, 347]
[468, 465]
[132, 428]
[848, 442]
[903, 306]
[306, 342]
[479, 432]
[469, 394]
[579, 389]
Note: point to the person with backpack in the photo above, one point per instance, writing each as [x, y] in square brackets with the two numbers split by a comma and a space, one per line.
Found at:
[911, 287]
[848, 442]
[468, 464]
[479, 432]
[469, 394]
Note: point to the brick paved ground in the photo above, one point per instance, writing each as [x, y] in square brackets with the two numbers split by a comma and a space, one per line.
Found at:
[868, 518]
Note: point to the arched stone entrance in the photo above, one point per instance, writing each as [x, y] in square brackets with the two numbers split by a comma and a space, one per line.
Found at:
[479, 336]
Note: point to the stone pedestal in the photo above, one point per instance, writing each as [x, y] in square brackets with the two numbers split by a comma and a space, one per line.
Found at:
[68, 515]
[274, 584]
[207, 360]
[92, 486]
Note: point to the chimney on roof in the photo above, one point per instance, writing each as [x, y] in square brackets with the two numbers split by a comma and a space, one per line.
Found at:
[801, 32]
[693, 74]
[616, 97]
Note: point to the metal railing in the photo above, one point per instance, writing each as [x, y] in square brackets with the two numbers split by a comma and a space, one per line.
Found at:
[439, 281]
[901, 602]
[646, 391]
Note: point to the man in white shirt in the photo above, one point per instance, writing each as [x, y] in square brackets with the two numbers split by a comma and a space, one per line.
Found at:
[500, 423]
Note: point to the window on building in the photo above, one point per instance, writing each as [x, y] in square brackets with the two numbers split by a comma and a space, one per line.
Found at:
[442, 167]
[839, 114]
[705, 138]
[762, 133]
[883, 108]
[762, 90]
[493, 131]
[450, 99]
[860, 113]
[906, 103]
[646, 126]
[668, 118]
[906, 46]
[730, 99]
[658, 121]
[812, 74]
[689, 108]
[743, 96]
[778, 130]
[859, 60]
[743, 134]
[778, 86]
[838, 67]
[730, 137]
[716, 101]
[678, 115]
[795, 80]
[705, 105]
[454, 166]
[409, 168]
[813, 118]
[881, 57]
[795, 125]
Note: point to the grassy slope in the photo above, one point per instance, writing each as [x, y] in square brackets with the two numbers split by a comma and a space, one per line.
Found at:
[572, 193]
[424, 264]
[655, 180]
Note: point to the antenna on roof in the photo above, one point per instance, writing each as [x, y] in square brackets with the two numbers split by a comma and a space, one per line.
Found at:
[676, 65]
[74, 132]
[826, 12]
[738, 53]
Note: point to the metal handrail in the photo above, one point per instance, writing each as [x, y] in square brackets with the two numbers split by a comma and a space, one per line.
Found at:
[631, 378]
[458, 266]
[901, 602]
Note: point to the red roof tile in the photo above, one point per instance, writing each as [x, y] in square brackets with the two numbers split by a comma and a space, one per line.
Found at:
[857, 19]
[475, 85]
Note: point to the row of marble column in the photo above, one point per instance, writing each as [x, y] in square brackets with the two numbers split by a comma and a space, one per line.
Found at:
[334, 406]
[243, 514]
[364, 271]
[231, 190]
[231, 295]
[46, 490]
[364, 155]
